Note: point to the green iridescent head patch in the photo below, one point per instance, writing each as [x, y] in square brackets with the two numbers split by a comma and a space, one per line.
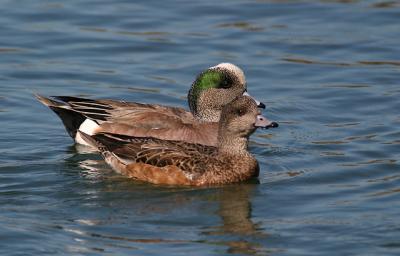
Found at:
[209, 79]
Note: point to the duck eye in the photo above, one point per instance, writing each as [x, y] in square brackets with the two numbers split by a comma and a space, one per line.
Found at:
[240, 112]
[225, 84]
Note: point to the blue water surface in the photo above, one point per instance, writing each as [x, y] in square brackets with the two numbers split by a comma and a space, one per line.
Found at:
[328, 71]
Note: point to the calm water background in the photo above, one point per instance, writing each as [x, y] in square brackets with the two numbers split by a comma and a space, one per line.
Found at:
[329, 72]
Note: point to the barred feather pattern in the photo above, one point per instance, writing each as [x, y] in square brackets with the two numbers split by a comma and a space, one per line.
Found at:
[123, 112]
[200, 164]
[192, 159]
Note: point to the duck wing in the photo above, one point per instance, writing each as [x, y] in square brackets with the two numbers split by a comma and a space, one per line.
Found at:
[159, 156]
[121, 111]
[131, 118]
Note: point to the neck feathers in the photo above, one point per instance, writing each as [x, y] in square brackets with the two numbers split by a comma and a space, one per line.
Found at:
[208, 115]
[232, 144]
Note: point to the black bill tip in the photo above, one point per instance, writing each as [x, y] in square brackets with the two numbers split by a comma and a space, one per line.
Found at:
[273, 125]
[261, 105]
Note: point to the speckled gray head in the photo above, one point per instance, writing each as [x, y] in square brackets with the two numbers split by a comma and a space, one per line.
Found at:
[214, 88]
[239, 119]
[242, 115]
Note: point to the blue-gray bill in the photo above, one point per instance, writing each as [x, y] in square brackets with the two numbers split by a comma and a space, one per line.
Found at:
[263, 122]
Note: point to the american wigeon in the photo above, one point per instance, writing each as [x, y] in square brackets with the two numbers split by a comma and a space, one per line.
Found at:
[180, 163]
[212, 89]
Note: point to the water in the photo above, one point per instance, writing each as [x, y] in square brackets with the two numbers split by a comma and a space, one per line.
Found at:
[328, 71]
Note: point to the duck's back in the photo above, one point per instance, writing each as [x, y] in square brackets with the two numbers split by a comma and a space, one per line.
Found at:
[132, 119]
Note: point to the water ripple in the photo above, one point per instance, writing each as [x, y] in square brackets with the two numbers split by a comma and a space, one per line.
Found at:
[328, 71]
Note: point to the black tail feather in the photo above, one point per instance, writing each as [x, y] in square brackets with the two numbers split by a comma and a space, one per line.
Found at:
[72, 120]
[90, 108]
[73, 111]
[68, 99]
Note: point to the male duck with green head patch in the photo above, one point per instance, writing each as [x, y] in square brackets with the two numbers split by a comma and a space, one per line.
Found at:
[214, 88]
[209, 93]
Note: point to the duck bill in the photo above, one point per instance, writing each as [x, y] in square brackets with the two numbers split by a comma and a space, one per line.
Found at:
[259, 103]
[263, 122]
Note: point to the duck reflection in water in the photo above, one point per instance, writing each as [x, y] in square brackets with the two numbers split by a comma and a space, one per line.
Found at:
[237, 224]
[235, 230]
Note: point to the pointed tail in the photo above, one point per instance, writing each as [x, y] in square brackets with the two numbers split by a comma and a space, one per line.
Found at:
[70, 118]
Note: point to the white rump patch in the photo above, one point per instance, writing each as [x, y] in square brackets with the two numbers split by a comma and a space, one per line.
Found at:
[89, 127]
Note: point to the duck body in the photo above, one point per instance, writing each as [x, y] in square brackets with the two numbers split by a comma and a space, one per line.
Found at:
[173, 162]
[130, 118]
[181, 163]
[211, 90]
